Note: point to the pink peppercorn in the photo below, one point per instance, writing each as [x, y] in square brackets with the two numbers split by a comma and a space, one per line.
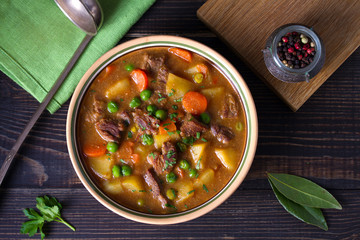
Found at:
[306, 47]
[300, 57]
[285, 39]
[290, 50]
[297, 45]
[310, 50]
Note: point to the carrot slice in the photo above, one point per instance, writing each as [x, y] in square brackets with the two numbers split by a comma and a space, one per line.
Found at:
[135, 158]
[167, 126]
[194, 103]
[109, 69]
[182, 53]
[94, 150]
[179, 172]
[203, 69]
[140, 78]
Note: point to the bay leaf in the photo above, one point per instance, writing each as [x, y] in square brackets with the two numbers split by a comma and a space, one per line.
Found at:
[303, 191]
[308, 215]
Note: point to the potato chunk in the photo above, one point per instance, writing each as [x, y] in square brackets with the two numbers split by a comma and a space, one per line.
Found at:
[205, 178]
[133, 183]
[161, 138]
[177, 86]
[117, 88]
[213, 94]
[198, 152]
[113, 186]
[101, 166]
[227, 157]
[184, 190]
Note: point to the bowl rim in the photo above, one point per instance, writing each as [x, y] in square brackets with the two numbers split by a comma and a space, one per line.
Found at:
[231, 74]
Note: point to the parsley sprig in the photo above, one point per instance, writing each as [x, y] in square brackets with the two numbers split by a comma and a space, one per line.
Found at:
[49, 209]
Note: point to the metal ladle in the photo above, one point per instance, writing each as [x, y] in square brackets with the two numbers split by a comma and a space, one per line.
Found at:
[86, 15]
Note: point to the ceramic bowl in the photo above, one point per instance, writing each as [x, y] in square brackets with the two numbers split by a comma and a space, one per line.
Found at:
[224, 66]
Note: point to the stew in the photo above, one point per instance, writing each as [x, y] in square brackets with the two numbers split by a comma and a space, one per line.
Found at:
[161, 130]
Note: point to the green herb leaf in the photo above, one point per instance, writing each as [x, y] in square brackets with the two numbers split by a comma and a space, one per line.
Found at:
[205, 188]
[303, 191]
[190, 192]
[130, 134]
[49, 209]
[181, 146]
[308, 215]
[198, 134]
[198, 164]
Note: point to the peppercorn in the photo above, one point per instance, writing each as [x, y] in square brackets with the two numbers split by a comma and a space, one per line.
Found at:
[296, 50]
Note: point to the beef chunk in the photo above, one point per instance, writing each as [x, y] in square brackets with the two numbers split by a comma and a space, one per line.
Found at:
[156, 67]
[147, 123]
[159, 163]
[159, 97]
[152, 64]
[169, 155]
[96, 111]
[163, 163]
[229, 108]
[124, 116]
[222, 133]
[162, 75]
[150, 180]
[191, 126]
[109, 130]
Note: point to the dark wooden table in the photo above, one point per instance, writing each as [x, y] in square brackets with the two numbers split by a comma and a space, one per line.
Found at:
[320, 142]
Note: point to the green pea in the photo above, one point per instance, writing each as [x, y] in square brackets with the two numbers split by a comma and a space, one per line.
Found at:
[205, 118]
[112, 107]
[184, 164]
[112, 147]
[145, 95]
[151, 109]
[193, 173]
[171, 177]
[135, 102]
[171, 194]
[147, 139]
[116, 171]
[129, 67]
[161, 114]
[140, 202]
[126, 170]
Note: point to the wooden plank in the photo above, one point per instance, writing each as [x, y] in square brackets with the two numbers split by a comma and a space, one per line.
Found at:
[245, 26]
[246, 214]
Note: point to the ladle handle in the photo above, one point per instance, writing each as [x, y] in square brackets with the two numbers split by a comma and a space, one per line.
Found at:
[10, 157]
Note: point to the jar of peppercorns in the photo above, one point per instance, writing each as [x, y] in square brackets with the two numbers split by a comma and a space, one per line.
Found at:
[294, 53]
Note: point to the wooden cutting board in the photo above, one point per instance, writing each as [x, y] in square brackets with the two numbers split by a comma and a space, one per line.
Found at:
[245, 25]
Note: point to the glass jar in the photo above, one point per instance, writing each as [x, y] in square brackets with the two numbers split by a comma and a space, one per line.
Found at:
[278, 69]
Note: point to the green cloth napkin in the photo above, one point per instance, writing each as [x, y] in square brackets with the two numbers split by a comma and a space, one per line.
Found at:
[37, 41]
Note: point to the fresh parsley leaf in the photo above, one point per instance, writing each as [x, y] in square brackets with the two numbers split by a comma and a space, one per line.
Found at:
[203, 139]
[130, 134]
[191, 192]
[170, 206]
[173, 115]
[181, 146]
[189, 140]
[198, 164]
[198, 135]
[174, 107]
[49, 209]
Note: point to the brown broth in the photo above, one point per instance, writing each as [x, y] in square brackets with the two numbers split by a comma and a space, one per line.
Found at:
[87, 134]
